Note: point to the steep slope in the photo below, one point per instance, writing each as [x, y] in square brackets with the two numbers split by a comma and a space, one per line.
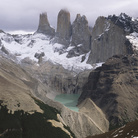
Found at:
[89, 108]
[19, 105]
[109, 37]
[113, 87]
[21, 114]
[63, 32]
[79, 122]
[59, 81]
[38, 48]
[130, 131]
[81, 37]
[44, 26]
[59, 61]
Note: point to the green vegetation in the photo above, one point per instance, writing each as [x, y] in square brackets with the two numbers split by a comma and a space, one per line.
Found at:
[24, 125]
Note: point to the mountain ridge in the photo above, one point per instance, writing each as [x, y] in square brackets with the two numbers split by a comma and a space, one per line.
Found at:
[61, 61]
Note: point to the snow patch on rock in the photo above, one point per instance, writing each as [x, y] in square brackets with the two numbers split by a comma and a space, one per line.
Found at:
[28, 45]
[133, 38]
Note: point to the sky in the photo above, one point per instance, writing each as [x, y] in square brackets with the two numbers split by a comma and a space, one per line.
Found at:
[23, 15]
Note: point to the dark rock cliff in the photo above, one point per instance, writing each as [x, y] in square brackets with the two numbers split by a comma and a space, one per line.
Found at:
[127, 23]
[77, 34]
[63, 32]
[108, 39]
[113, 87]
[57, 78]
[81, 36]
[130, 130]
[44, 26]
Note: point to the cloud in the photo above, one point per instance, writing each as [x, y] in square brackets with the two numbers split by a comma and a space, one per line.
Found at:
[24, 14]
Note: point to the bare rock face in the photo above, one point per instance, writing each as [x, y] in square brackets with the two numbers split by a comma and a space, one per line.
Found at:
[3, 49]
[19, 106]
[81, 36]
[127, 23]
[130, 129]
[1, 31]
[113, 87]
[89, 108]
[16, 87]
[58, 79]
[0, 42]
[108, 39]
[79, 122]
[44, 26]
[63, 27]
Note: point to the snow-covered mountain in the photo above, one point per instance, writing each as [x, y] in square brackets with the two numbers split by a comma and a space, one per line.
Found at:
[27, 46]
[23, 46]
[40, 47]
[62, 60]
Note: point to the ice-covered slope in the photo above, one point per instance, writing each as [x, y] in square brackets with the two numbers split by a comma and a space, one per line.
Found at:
[133, 38]
[23, 46]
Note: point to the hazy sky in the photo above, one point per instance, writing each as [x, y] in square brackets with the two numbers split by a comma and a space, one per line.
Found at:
[24, 14]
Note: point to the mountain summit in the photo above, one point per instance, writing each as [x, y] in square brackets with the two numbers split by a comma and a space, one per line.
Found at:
[64, 61]
[44, 26]
[107, 38]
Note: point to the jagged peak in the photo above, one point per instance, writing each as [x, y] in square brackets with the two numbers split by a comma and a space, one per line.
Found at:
[43, 19]
[1, 31]
[124, 16]
[80, 18]
[64, 10]
[63, 24]
[124, 21]
[44, 25]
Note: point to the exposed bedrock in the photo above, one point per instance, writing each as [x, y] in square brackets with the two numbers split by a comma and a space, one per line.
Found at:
[44, 26]
[113, 87]
[57, 78]
[81, 36]
[80, 123]
[63, 32]
[108, 39]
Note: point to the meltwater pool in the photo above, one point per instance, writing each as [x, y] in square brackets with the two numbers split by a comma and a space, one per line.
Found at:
[69, 100]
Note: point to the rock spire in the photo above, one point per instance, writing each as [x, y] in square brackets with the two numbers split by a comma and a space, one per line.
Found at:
[108, 39]
[81, 36]
[63, 25]
[44, 26]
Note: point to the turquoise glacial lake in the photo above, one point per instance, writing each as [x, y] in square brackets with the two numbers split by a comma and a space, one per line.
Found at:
[69, 100]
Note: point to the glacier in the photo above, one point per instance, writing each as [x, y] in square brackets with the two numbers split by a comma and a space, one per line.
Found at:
[23, 46]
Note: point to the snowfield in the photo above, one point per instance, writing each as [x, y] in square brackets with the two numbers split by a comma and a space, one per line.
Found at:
[28, 45]
[133, 38]
[23, 46]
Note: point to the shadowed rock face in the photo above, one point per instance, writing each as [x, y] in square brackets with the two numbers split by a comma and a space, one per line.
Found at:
[63, 26]
[44, 26]
[57, 78]
[20, 110]
[81, 36]
[125, 22]
[130, 130]
[113, 87]
[108, 39]
[80, 32]
[77, 35]
[60, 80]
